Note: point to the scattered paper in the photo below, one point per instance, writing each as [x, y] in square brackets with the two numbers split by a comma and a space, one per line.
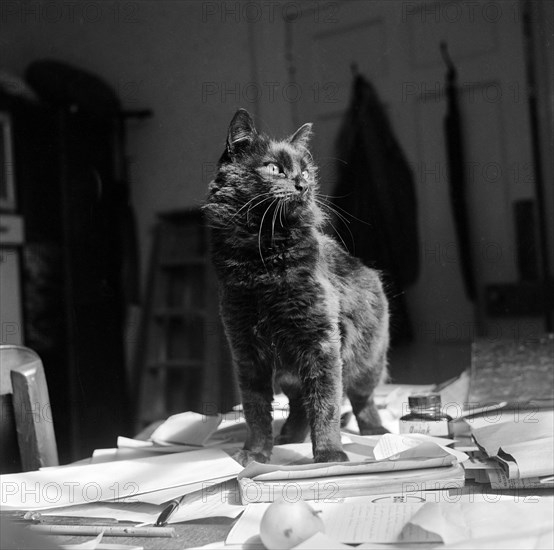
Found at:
[347, 523]
[300, 465]
[138, 512]
[321, 541]
[501, 427]
[88, 545]
[96, 544]
[188, 428]
[499, 480]
[467, 521]
[394, 445]
[450, 523]
[123, 479]
[165, 495]
[536, 538]
[220, 500]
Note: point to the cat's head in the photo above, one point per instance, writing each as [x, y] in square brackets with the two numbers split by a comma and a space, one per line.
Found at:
[264, 179]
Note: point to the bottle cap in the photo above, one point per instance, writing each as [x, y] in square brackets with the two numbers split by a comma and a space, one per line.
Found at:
[424, 400]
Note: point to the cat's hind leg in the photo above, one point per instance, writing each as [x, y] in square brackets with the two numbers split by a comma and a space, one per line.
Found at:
[296, 427]
[366, 413]
[360, 394]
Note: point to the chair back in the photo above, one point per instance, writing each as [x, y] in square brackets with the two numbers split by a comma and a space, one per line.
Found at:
[26, 424]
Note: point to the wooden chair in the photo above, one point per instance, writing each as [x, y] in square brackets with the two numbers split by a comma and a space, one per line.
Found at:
[26, 426]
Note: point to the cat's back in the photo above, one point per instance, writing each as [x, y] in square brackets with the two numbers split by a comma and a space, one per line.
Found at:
[359, 287]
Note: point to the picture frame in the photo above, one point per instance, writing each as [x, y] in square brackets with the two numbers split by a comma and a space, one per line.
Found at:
[7, 168]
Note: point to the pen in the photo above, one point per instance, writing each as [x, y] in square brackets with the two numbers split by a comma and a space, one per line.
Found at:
[167, 512]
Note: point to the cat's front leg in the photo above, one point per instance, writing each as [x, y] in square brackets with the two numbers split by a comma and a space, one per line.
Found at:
[323, 391]
[256, 390]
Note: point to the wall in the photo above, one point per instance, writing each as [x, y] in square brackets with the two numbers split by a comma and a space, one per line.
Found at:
[194, 62]
[186, 60]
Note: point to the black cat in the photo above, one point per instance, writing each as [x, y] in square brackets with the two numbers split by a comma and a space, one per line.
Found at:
[298, 310]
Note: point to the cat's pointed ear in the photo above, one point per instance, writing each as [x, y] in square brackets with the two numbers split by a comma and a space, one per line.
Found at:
[302, 136]
[241, 131]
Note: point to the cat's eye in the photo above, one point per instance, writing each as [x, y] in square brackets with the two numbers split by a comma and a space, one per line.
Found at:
[305, 174]
[273, 170]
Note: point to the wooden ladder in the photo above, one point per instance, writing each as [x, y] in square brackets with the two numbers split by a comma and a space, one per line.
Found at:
[182, 360]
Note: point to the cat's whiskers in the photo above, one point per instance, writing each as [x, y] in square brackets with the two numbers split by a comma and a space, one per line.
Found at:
[260, 231]
[257, 204]
[267, 195]
[322, 195]
[282, 206]
[341, 217]
[345, 212]
[273, 221]
[332, 209]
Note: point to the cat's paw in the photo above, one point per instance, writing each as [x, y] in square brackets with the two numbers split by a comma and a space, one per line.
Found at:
[374, 430]
[330, 455]
[244, 457]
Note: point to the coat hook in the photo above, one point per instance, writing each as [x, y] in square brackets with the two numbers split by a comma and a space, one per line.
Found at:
[446, 57]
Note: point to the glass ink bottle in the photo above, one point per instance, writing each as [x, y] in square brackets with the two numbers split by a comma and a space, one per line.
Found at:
[425, 416]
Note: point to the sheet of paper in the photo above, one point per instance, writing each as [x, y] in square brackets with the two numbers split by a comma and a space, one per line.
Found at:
[188, 428]
[221, 500]
[396, 445]
[499, 480]
[125, 478]
[165, 495]
[463, 521]
[88, 545]
[454, 395]
[533, 458]
[297, 463]
[139, 512]
[514, 426]
[446, 496]
[536, 538]
[321, 541]
[347, 523]
[363, 522]
[478, 461]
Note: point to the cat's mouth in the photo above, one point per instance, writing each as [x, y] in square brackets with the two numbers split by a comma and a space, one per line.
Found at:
[291, 196]
[284, 195]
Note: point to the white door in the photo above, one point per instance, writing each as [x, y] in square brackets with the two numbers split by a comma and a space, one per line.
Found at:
[395, 45]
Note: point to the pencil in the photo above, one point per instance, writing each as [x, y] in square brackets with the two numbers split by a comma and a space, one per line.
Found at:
[109, 531]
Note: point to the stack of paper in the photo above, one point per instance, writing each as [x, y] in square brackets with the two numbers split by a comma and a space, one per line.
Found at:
[154, 480]
[521, 443]
[378, 464]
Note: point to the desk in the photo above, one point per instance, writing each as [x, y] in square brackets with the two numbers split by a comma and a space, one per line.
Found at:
[190, 534]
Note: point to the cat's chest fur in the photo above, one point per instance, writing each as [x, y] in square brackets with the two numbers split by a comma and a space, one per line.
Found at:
[277, 294]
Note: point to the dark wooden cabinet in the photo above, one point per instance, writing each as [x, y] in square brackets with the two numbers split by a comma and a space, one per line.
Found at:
[72, 204]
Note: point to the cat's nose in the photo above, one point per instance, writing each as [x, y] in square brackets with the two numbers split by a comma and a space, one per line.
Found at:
[300, 185]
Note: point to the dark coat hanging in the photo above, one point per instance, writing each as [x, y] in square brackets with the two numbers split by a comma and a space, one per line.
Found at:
[376, 190]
